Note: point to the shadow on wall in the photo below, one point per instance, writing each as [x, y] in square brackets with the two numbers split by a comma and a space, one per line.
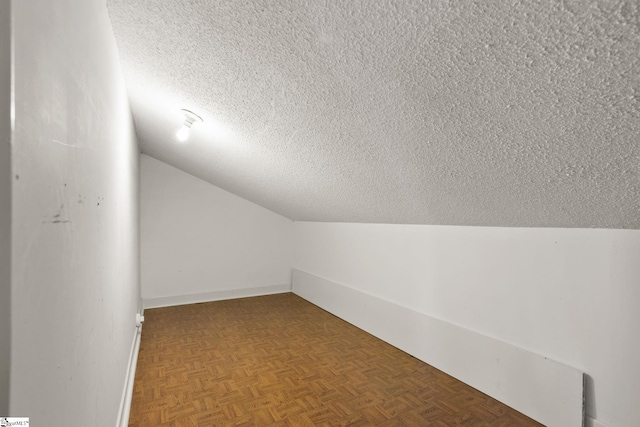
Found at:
[589, 397]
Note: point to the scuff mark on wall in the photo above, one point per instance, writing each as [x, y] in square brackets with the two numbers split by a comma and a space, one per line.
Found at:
[58, 218]
[65, 144]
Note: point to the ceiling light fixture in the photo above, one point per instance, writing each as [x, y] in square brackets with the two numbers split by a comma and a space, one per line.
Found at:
[189, 119]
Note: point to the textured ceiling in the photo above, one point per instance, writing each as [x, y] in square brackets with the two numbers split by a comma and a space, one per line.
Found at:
[492, 113]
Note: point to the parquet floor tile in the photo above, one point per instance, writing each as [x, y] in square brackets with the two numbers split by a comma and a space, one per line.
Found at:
[279, 360]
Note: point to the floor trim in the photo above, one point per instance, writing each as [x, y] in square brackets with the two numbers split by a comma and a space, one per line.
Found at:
[215, 296]
[543, 389]
[127, 393]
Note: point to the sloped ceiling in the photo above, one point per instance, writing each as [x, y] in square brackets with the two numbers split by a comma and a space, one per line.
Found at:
[488, 113]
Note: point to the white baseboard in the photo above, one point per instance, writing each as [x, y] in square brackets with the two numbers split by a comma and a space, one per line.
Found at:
[127, 393]
[215, 296]
[545, 390]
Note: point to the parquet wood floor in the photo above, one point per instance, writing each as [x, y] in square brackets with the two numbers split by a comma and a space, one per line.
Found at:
[280, 360]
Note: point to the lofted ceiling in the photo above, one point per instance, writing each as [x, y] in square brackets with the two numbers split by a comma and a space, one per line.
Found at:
[485, 113]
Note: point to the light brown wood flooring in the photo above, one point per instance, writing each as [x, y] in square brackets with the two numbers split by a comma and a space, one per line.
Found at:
[280, 360]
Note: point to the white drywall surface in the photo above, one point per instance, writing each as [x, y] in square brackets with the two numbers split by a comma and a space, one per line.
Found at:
[75, 277]
[199, 239]
[567, 294]
[5, 203]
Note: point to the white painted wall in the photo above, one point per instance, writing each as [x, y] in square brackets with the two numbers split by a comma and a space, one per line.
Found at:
[5, 203]
[75, 287]
[202, 242]
[567, 294]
